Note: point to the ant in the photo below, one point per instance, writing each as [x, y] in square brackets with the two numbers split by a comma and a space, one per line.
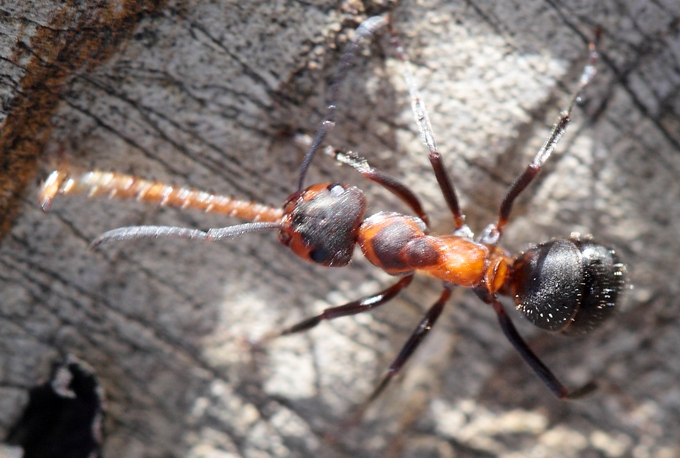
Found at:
[568, 285]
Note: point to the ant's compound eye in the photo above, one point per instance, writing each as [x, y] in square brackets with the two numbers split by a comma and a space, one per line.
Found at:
[569, 286]
[319, 256]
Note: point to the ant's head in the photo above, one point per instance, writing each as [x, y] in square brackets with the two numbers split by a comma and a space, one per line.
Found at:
[569, 286]
[321, 223]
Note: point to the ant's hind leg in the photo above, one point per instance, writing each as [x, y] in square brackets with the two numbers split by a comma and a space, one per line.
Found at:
[536, 364]
[534, 168]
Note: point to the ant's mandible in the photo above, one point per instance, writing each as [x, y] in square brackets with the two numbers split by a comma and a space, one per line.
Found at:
[568, 286]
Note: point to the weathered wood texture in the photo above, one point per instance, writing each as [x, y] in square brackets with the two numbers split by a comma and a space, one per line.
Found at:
[199, 93]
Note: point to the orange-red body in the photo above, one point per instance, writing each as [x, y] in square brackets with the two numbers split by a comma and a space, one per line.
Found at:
[399, 245]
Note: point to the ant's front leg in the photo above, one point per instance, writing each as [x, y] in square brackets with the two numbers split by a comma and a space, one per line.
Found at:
[388, 182]
[352, 308]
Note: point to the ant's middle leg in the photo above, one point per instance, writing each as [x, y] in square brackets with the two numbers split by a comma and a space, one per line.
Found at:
[427, 135]
[412, 343]
[407, 350]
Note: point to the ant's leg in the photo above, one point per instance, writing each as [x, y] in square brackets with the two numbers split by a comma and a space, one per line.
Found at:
[353, 308]
[367, 28]
[426, 133]
[541, 369]
[388, 182]
[543, 154]
[407, 350]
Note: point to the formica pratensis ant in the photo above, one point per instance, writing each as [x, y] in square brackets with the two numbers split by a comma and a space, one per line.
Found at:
[568, 286]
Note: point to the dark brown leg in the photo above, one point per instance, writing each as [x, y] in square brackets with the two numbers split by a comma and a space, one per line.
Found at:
[367, 28]
[353, 308]
[423, 122]
[412, 344]
[407, 350]
[388, 182]
[536, 364]
[546, 150]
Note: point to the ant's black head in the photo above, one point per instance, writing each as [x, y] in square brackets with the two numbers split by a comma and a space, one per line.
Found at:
[568, 286]
[321, 224]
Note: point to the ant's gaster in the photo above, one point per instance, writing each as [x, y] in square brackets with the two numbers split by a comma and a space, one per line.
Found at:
[568, 286]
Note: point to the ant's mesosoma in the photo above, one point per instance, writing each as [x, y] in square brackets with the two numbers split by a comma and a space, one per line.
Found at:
[568, 286]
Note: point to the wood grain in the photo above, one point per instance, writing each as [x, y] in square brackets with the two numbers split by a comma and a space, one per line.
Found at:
[204, 94]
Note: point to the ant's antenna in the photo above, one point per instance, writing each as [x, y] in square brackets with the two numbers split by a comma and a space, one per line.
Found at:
[174, 232]
[117, 185]
[109, 184]
[366, 29]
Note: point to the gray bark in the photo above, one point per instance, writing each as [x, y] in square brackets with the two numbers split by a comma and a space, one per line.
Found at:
[199, 93]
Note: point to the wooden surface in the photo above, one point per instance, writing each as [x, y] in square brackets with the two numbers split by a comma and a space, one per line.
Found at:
[204, 94]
